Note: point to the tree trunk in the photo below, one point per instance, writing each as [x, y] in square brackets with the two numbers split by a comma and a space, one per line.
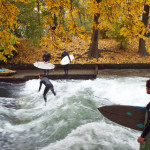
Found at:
[39, 19]
[93, 49]
[142, 43]
[55, 20]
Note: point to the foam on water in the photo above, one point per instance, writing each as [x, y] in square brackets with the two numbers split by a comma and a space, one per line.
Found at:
[70, 121]
[96, 135]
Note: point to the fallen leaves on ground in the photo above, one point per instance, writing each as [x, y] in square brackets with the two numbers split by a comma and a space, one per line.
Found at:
[111, 53]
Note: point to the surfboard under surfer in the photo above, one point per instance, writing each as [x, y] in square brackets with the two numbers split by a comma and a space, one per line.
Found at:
[146, 130]
[48, 86]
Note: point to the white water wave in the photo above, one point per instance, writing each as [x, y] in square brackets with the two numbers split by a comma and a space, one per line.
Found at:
[97, 136]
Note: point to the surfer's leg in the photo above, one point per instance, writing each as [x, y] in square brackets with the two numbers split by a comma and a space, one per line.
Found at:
[44, 72]
[64, 69]
[67, 68]
[47, 72]
[52, 89]
[44, 94]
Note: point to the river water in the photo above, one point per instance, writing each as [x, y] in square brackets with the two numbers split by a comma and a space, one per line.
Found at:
[70, 121]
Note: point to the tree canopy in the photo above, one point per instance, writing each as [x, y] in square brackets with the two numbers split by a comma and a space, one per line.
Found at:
[49, 22]
[8, 22]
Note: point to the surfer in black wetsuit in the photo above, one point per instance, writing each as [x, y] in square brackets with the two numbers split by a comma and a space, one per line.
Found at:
[46, 59]
[146, 130]
[48, 86]
[65, 53]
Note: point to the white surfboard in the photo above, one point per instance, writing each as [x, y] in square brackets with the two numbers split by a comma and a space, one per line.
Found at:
[66, 60]
[42, 65]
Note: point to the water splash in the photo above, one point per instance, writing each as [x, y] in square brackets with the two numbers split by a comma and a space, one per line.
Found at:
[70, 120]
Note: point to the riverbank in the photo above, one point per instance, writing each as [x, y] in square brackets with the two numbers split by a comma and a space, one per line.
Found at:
[24, 66]
[57, 74]
[76, 71]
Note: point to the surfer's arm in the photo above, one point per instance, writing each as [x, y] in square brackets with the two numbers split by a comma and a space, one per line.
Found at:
[146, 130]
[40, 86]
[62, 56]
[147, 125]
[69, 57]
[49, 57]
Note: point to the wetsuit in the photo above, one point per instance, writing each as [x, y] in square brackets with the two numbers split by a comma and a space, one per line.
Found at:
[147, 125]
[48, 86]
[66, 68]
[46, 58]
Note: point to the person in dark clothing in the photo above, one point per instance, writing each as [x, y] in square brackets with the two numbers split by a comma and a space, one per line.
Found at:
[146, 130]
[46, 59]
[48, 86]
[66, 68]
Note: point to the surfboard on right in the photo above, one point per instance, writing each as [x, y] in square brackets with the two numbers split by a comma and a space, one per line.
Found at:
[129, 116]
[66, 60]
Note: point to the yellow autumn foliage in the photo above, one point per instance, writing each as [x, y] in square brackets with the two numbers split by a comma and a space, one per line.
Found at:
[121, 12]
[8, 20]
[79, 48]
[125, 13]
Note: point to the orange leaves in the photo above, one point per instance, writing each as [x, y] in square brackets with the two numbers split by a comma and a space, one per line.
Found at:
[79, 48]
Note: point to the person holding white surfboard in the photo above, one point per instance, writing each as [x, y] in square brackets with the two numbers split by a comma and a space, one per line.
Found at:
[66, 68]
[48, 86]
[46, 59]
[143, 138]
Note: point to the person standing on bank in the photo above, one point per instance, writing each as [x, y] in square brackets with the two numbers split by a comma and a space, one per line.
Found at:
[146, 130]
[46, 59]
[48, 86]
[65, 53]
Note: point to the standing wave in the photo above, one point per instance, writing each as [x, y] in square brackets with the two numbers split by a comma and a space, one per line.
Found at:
[71, 120]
